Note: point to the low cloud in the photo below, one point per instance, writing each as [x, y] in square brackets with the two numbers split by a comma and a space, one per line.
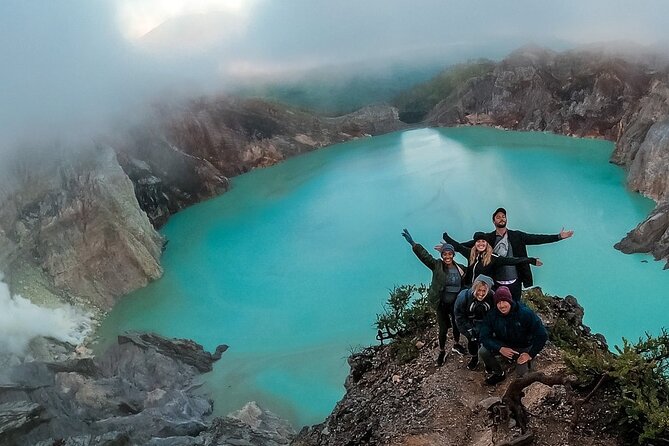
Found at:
[73, 67]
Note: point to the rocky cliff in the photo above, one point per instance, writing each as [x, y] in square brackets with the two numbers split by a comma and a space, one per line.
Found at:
[82, 227]
[72, 230]
[188, 152]
[585, 94]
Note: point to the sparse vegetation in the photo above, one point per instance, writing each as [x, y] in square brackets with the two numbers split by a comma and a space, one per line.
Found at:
[417, 102]
[637, 374]
[407, 313]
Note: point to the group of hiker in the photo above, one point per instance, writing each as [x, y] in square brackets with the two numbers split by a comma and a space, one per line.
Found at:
[482, 301]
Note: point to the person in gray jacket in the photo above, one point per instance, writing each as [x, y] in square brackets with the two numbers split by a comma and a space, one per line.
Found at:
[471, 306]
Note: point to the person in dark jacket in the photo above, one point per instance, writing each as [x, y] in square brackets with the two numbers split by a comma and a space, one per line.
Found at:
[444, 288]
[482, 260]
[511, 243]
[471, 307]
[513, 331]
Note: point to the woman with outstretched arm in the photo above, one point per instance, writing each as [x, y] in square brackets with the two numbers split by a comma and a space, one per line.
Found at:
[481, 259]
[444, 288]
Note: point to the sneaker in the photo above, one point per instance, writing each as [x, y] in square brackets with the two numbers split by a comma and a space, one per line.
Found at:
[459, 349]
[440, 358]
[495, 378]
[471, 365]
[488, 370]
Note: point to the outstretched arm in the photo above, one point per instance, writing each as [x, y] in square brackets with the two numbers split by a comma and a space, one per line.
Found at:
[500, 260]
[418, 249]
[459, 247]
[540, 239]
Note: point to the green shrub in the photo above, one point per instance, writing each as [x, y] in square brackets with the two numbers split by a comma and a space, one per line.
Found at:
[639, 373]
[407, 313]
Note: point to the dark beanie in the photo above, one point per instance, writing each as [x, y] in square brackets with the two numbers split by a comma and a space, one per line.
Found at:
[502, 210]
[446, 247]
[480, 236]
[501, 294]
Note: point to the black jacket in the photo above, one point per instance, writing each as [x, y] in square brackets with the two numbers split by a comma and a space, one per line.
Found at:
[518, 241]
[521, 328]
[476, 268]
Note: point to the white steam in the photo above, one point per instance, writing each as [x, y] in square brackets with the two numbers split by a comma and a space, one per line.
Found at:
[21, 321]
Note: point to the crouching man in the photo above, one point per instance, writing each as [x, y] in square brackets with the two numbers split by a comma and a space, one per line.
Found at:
[511, 330]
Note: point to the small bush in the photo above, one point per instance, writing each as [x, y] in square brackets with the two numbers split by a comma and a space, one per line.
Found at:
[639, 373]
[407, 312]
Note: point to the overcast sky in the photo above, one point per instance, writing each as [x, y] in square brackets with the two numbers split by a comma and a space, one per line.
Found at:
[69, 65]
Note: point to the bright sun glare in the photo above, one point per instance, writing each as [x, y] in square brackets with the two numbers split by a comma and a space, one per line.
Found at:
[138, 17]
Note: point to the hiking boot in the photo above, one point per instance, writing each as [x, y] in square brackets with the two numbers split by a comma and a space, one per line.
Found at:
[495, 378]
[440, 358]
[471, 365]
[459, 349]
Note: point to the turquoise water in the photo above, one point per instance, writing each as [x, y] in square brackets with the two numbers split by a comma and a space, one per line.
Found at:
[291, 266]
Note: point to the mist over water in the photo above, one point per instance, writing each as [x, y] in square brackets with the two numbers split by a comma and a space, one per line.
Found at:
[291, 266]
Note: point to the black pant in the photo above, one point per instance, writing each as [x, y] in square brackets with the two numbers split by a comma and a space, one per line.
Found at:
[473, 347]
[446, 320]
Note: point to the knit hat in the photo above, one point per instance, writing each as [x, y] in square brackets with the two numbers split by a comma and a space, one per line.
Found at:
[501, 294]
[478, 235]
[445, 247]
[502, 210]
[484, 279]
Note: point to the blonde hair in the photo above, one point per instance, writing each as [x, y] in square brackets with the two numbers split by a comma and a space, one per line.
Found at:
[487, 254]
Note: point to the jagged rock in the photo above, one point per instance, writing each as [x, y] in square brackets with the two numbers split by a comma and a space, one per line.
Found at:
[184, 350]
[651, 235]
[135, 391]
[106, 439]
[18, 417]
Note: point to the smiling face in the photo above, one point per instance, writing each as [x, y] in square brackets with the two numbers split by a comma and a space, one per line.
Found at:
[481, 291]
[447, 257]
[504, 307]
[481, 245]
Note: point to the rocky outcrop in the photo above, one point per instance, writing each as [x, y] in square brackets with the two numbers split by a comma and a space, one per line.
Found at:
[585, 94]
[74, 229]
[138, 392]
[389, 403]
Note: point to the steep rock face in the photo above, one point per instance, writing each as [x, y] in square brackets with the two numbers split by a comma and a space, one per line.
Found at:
[189, 152]
[79, 224]
[582, 94]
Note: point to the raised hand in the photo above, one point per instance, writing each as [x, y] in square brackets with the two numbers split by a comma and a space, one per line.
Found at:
[565, 234]
[408, 237]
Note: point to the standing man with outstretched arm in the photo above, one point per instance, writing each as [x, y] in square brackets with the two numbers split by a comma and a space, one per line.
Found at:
[512, 243]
